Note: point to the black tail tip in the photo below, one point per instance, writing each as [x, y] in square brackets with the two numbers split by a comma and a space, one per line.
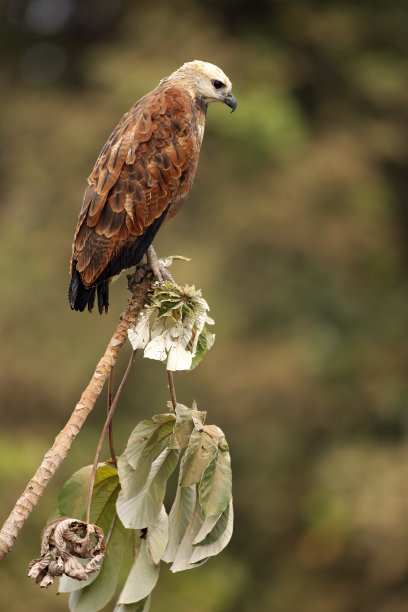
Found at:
[81, 297]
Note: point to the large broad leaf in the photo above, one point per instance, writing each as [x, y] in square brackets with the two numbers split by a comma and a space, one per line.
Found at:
[104, 496]
[180, 516]
[142, 577]
[215, 488]
[217, 539]
[185, 549]
[130, 481]
[149, 437]
[207, 527]
[146, 442]
[142, 510]
[185, 422]
[157, 537]
[99, 592]
[201, 449]
[139, 606]
[73, 497]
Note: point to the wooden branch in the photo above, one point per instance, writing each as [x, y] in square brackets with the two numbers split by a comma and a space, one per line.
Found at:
[139, 284]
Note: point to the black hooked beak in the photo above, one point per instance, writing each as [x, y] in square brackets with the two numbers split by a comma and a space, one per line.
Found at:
[230, 101]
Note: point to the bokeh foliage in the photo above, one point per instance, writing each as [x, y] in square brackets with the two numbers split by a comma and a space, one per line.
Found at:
[297, 229]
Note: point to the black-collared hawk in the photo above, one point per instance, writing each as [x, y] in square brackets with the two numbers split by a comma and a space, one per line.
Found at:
[142, 176]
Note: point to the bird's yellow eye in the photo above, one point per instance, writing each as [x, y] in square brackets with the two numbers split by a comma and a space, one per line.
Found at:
[218, 84]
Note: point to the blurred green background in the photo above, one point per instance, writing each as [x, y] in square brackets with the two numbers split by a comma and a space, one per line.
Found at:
[297, 228]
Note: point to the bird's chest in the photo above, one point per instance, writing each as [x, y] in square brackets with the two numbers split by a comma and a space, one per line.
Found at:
[185, 181]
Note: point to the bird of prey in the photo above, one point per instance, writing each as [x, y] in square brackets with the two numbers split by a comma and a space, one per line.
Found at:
[142, 176]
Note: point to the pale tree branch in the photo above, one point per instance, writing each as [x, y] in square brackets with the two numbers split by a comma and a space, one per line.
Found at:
[139, 284]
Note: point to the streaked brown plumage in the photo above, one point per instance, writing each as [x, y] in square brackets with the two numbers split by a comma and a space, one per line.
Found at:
[142, 175]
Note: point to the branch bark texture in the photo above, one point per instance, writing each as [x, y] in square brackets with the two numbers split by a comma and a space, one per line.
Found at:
[139, 285]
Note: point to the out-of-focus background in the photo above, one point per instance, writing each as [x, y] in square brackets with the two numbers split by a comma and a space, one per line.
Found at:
[297, 228]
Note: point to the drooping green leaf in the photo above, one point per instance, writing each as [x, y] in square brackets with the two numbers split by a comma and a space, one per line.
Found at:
[217, 539]
[184, 425]
[201, 449]
[104, 495]
[185, 549]
[96, 594]
[179, 518]
[204, 343]
[149, 438]
[215, 487]
[130, 481]
[207, 527]
[139, 606]
[54, 514]
[142, 510]
[208, 536]
[146, 442]
[73, 497]
[142, 577]
[157, 537]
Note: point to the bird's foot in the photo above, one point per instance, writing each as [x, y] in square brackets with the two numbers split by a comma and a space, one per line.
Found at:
[159, 270]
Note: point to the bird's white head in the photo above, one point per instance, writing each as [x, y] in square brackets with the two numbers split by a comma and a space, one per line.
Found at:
[206, 83]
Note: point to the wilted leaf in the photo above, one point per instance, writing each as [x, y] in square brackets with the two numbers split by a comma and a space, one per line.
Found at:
[142, 510]
[179, 518]
[65, 542]
[157, 537]
[201, 450]
[130, 480]
[216, 483]
[149, 438]
[204, 343]
[142, 577]
[185, 550]
[207, 527]
[73, 497]
[217, 539]
[139, 335]
[184, 425]
[179, 358]
[156, 349]
[146, 442]
[139, 606]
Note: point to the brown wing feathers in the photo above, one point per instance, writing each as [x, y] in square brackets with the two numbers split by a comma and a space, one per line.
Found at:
[144, 170]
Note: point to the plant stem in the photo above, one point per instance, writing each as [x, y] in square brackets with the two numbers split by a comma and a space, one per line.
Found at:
[103, 434]
[110, 392]
[172, 389]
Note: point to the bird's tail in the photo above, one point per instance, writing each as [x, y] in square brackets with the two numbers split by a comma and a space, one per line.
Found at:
[80, 296]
